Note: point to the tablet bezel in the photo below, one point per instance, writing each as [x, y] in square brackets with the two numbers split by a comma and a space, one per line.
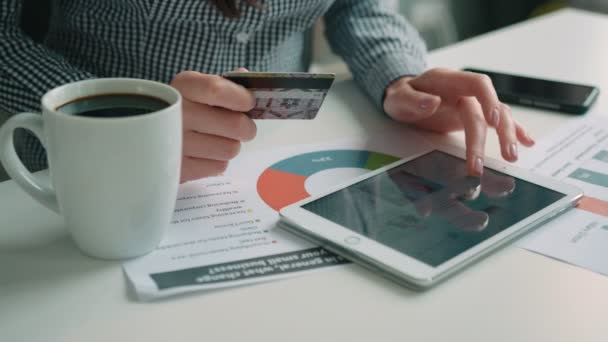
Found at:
[404, 267]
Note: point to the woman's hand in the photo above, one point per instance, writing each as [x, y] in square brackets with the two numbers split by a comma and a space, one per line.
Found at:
[214, 123]
[444, 100]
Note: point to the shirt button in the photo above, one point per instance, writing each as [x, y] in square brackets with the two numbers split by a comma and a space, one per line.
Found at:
[242, 37]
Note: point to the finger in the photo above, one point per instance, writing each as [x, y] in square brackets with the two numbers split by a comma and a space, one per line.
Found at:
[424, 206]
[468, 188]
[208, 146]
[213, 90]
[193, 168]
[497, 186]
[507, 136]
[407, 104]
[452, 83]
[475, 134]
[217, 121]
[460, 215]
[523, 136]
[241, 69]
[474, 221]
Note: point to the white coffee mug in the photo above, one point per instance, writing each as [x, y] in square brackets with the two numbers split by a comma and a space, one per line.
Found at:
[114, 180]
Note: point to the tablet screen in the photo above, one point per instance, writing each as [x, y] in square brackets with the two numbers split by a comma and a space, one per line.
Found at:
[429, 209]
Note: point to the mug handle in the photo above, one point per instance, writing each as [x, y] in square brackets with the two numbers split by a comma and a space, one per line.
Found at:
[39, 189]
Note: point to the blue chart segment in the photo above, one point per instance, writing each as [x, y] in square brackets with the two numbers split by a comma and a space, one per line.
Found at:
[282, 183]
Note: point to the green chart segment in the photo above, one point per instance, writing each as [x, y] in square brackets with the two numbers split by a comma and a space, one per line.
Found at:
[601, 156]
[590, 177]
[283, 183]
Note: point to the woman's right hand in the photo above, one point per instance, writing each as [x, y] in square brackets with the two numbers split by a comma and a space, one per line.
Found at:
[214, 123]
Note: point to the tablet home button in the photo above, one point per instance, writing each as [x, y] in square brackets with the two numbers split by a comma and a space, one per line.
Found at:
[352, 240]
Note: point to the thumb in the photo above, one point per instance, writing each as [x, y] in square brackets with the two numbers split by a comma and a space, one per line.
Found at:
[406, 104]
[241, 69]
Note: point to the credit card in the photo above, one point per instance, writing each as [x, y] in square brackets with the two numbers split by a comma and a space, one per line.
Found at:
[287, 96]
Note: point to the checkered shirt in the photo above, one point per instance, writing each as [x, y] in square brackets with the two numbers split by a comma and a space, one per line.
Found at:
[156, 39]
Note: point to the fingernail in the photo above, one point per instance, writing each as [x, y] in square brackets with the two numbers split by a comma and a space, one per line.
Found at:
[495, 117]
[479, 166]
[530, 138]
[426, 103]
[513, 150]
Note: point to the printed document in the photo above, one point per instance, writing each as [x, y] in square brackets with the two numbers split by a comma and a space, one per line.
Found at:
[576, 153]
[223, 231]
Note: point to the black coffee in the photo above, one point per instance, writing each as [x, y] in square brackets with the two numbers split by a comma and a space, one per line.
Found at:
[113, 105]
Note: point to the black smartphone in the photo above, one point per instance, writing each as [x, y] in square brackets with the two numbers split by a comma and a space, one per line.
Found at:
[541, 93]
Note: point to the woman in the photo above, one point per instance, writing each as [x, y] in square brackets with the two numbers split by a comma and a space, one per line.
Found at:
[187, 43]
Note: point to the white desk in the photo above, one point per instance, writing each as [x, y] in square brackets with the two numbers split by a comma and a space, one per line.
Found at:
[50, 292]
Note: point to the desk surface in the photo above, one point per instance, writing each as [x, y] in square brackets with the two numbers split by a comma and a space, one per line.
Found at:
[50, 292]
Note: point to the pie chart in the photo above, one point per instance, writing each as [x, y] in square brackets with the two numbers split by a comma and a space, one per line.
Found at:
[285, 182]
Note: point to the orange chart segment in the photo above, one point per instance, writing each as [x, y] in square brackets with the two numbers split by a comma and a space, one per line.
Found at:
[594, 205]
[283, 183]
[279, 189]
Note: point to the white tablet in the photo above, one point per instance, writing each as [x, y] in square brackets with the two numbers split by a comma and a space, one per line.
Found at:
[420, 219]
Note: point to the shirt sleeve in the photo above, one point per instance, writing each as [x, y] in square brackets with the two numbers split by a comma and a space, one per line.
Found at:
[378, 44]
[27, 71]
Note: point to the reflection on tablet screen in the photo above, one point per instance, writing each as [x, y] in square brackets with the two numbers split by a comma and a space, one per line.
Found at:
[429, 209]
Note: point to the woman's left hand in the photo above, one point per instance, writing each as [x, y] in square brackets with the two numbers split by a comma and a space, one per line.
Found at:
[444, 100]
